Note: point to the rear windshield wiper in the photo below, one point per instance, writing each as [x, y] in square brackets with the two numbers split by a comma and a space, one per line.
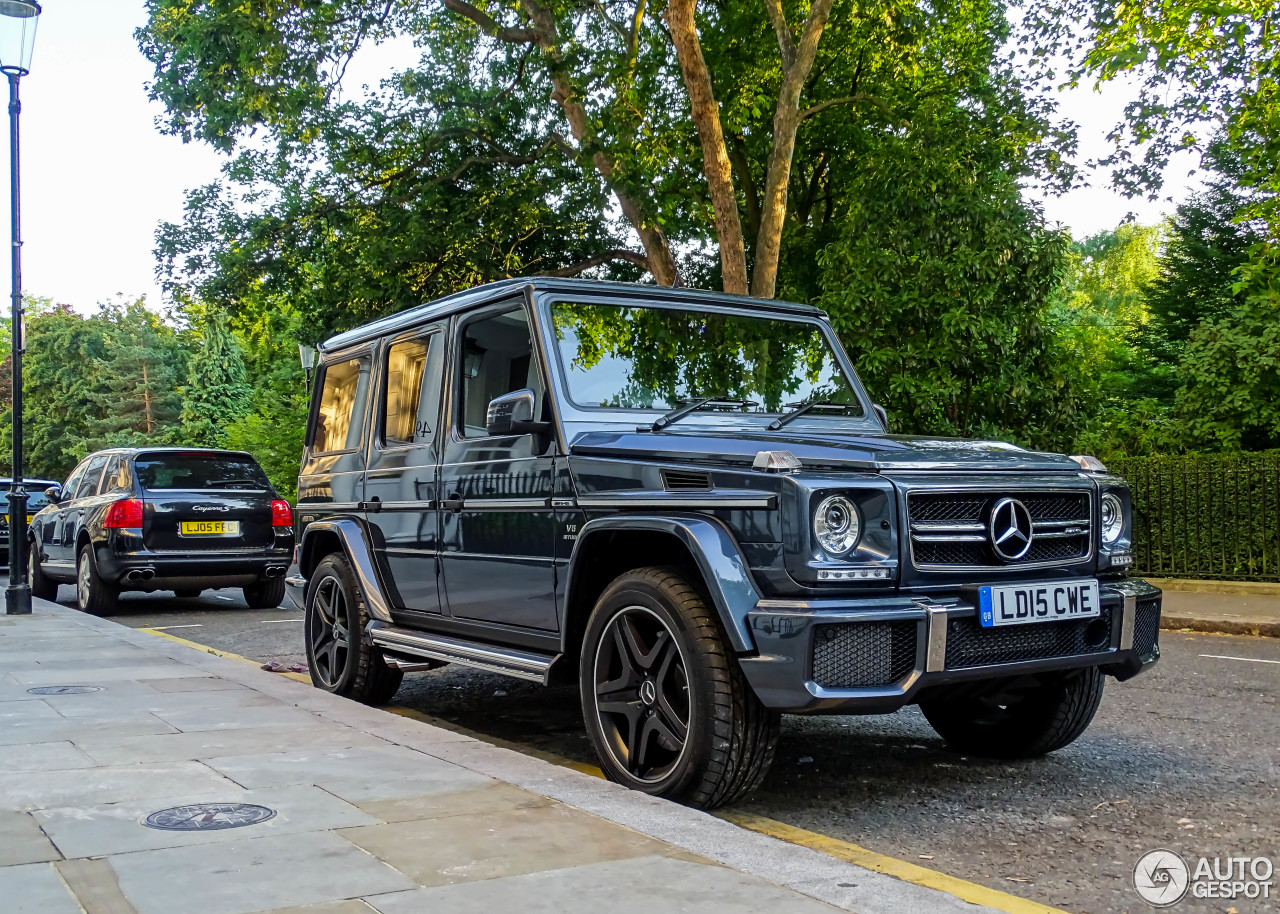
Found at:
[694, 405]
[804, 406]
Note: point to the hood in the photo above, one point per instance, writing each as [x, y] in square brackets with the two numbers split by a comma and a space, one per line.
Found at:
[815, 448]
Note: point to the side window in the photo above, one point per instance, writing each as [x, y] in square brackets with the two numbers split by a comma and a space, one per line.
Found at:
[116, 477]
[496, 358]
[411, 394]
[340, 420]
[92, 476]
[73, 481]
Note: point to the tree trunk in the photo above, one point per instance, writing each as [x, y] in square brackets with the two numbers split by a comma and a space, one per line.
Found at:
[797, 61]
[661, 262]
[146, 396]
[715, 155]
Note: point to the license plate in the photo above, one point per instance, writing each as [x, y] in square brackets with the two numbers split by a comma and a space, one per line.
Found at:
[30, 518]
[210, 528]
[1020, 604]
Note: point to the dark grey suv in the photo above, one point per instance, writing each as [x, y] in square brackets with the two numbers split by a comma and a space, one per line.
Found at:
[688, 504]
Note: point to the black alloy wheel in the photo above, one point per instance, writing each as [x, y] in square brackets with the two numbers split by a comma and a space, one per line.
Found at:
[341, 659]
[642, 694]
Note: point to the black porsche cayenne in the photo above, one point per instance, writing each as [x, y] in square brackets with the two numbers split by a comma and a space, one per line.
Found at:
[146, 519]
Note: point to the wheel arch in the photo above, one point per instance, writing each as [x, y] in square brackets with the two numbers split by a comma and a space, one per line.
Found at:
[346, 535]
[607, 547]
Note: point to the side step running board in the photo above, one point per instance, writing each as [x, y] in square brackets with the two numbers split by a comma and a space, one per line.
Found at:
[496, 659]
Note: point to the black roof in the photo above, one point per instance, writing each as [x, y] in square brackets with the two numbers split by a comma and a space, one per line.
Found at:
[480, 295]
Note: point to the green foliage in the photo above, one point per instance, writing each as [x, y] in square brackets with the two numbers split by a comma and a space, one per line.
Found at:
[939, 286]
[1206, 515]
[217, 389]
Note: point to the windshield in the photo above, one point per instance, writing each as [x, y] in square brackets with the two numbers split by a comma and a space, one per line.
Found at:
[36, 499]
[644, 357]
[199, 471]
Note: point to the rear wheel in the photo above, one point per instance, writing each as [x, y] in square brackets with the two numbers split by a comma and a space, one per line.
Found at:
[666, 705]
[1025, 719]
[266, 594]
[42, 588]
[341, 659]
[93, 595]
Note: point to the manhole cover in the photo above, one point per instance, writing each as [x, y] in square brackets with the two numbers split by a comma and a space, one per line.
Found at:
[63, 690]
[208, 816]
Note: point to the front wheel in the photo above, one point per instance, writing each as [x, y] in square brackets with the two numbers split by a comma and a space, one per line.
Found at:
[93, 595]
[42, 588]
[341, 659]
[1023, 719]
[666, 705]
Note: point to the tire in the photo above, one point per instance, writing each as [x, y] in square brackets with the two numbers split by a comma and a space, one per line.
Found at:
[654, 663]
[93, 595]
[341, 659]
[266, 594]
[188, 593]
[42, 588]
[1020, 723]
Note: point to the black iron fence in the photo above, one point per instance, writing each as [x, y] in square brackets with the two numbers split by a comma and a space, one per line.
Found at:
[1206, 515]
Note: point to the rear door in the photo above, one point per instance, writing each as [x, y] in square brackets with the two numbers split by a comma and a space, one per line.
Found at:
[204, 501]
[400, 485]
[72, 512]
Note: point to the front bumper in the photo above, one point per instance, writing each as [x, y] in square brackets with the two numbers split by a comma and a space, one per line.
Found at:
[875, 654]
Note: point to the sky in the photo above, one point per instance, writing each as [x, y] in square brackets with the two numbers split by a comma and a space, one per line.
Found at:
[97, 177]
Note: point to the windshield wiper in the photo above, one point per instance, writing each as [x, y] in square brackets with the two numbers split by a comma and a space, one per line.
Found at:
[693, 406]
[804, 406]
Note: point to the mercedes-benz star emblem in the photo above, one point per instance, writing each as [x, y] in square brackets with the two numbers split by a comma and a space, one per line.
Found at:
[1010, 529]
[648, 692]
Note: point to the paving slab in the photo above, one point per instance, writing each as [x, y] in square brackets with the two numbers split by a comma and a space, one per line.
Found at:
[35, 889]
[197, 720]
[212, 743]
[87, 787]
[57, 756]
[116, 828]
[356, 775]
[494, 797]
[22, 841]
[135, 672]
[59, 729]
[354, 906]
[30, 709]
[503, 843]
[103, 706]
[667, 885]
[194, 684]
[261, 874]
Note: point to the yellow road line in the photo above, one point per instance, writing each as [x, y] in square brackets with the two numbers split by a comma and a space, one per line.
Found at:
[833, 847]
[891, 866]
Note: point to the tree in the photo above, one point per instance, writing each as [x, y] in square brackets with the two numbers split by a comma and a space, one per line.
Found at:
[217, 390]
[140, 402]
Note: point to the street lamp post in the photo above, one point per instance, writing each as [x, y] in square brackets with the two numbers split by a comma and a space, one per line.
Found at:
[307, 354]
[18, 20]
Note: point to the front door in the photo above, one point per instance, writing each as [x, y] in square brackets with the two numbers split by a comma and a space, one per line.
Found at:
[400, 485]
[53, 530]
[497, 529]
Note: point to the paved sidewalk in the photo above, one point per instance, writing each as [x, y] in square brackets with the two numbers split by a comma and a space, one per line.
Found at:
[1223, 613]
[372, 812]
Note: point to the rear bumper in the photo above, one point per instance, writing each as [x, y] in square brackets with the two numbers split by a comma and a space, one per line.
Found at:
[874, 655]
[161, 571]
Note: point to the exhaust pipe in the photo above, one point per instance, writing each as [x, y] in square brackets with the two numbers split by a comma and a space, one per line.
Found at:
[275, 571]
[139, 575]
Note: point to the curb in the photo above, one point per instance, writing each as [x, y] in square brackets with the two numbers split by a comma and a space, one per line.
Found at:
[1235, 588]
[1220, 626]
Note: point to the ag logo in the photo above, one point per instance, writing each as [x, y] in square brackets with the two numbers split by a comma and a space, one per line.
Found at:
[1161, 878]
[1010, 529]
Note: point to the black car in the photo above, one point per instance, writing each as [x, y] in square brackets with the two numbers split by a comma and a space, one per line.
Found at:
[146, 519]
[36, 499]
[687, 504]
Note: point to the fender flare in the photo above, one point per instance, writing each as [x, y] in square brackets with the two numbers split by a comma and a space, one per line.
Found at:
[723, 567]
[355, 544]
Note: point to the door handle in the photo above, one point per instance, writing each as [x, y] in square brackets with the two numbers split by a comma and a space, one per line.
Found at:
[452, 503]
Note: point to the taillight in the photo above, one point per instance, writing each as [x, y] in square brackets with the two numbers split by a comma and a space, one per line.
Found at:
[125, 513]
[281, 513]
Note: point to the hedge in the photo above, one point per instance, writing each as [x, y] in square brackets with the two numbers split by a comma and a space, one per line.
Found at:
[1214, 516]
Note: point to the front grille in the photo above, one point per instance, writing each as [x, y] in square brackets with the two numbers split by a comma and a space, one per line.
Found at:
[1146, 627]
[949, 530]
[863, 654]
[969, 644]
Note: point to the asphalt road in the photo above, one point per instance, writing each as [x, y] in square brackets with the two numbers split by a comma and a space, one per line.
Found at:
[1186, 757]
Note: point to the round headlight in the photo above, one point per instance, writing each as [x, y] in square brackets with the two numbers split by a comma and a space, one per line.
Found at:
[1112, 518]
[836, 525]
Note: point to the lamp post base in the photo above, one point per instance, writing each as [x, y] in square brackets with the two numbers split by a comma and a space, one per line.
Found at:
[17, 600]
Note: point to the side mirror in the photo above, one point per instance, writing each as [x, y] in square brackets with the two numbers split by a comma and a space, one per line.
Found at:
[881, 415]
[512, 414]
[54, 494]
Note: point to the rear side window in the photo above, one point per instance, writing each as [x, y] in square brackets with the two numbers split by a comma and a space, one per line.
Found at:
[411, 398]
[199, 471]
[116, 478]
[338, 423]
